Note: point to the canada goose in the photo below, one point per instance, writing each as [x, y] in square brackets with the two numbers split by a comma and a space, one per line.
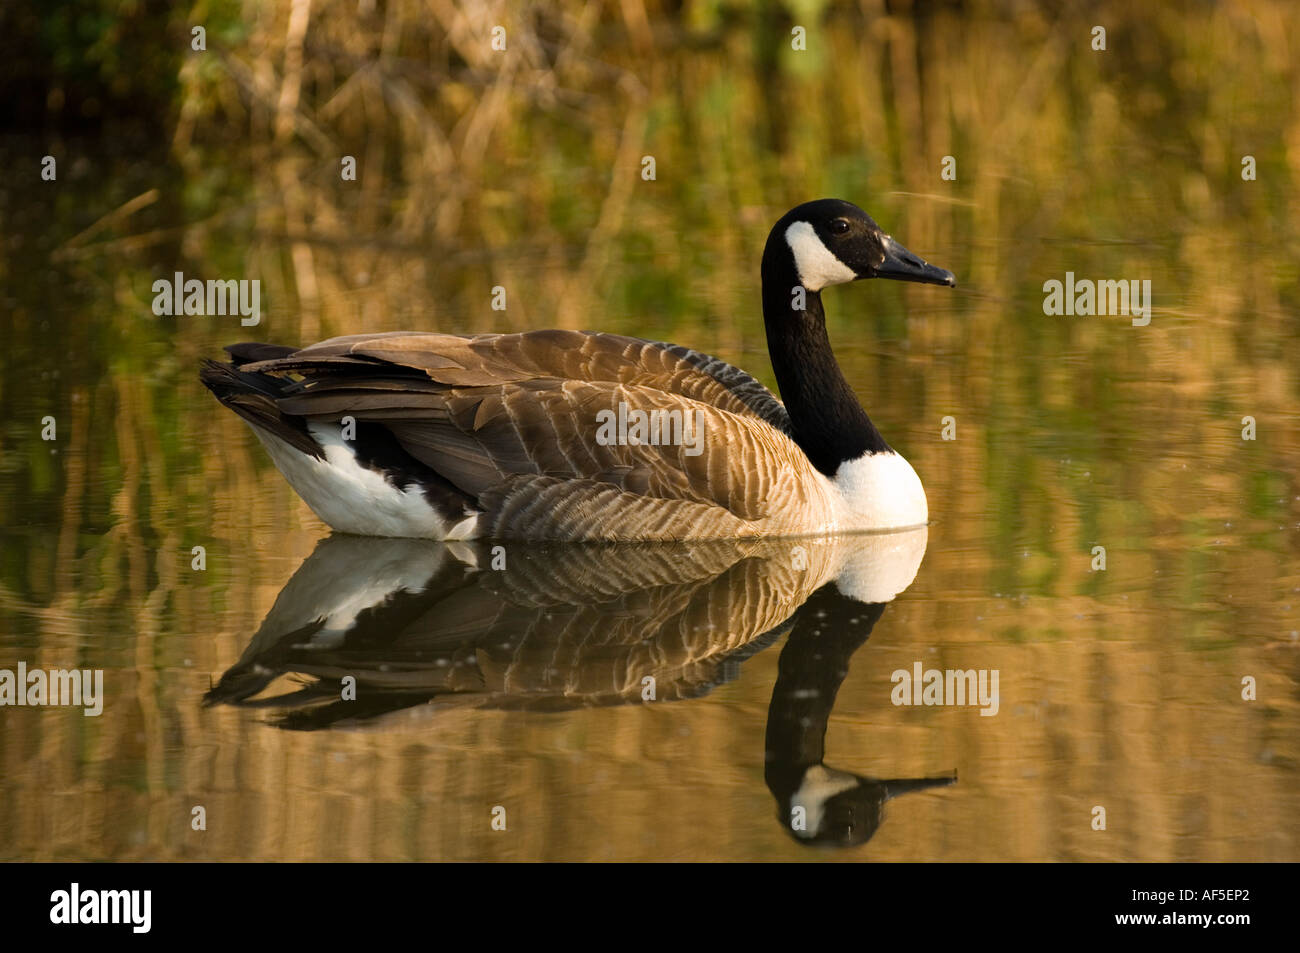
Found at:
[512, 436]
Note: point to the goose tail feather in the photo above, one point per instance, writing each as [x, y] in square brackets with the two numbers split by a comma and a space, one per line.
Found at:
[254, 397]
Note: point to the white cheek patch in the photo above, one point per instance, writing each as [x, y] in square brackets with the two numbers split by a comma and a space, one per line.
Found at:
[819, 785]
[817, 265]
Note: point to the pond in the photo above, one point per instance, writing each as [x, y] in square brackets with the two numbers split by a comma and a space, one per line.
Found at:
[1092, 653]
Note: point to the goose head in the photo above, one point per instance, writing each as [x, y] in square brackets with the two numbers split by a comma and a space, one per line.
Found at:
[843, 809]
[815, 245]
[831, 242]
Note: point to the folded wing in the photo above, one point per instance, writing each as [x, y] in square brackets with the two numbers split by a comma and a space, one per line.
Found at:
[503, 415]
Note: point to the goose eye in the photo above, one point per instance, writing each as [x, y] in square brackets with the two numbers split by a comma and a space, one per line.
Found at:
[839, 226]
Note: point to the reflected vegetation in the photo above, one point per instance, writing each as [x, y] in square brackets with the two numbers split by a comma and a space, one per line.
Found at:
[1121, 688]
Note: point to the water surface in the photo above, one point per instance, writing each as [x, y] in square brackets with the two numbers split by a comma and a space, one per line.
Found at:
[523, 688]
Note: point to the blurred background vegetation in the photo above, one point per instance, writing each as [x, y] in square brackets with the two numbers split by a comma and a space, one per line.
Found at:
[521, 168]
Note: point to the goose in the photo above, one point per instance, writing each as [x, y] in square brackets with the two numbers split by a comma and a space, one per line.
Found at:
[567, 435]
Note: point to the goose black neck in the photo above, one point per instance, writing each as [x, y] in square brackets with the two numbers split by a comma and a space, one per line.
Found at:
[827, 421]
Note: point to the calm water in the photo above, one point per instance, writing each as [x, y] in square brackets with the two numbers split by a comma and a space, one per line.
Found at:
[512, 686]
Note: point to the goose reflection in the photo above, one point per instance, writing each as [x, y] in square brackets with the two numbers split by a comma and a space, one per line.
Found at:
[370, 626]
[818, 804]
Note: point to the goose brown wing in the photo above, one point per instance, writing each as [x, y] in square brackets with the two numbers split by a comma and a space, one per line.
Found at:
[493, 359]
[486, 410]
[481, 437]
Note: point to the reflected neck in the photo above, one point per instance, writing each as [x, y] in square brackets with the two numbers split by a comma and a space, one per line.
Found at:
[828, 629]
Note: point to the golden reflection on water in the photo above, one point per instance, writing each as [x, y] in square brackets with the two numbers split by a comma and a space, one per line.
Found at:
[1120, 689]
[1122, 697]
